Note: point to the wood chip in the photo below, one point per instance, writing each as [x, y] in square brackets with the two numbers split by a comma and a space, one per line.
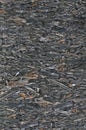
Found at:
[43, 102]
[2, 11]
[31, 75]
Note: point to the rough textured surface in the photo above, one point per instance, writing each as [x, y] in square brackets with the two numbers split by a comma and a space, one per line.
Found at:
[42, 65]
